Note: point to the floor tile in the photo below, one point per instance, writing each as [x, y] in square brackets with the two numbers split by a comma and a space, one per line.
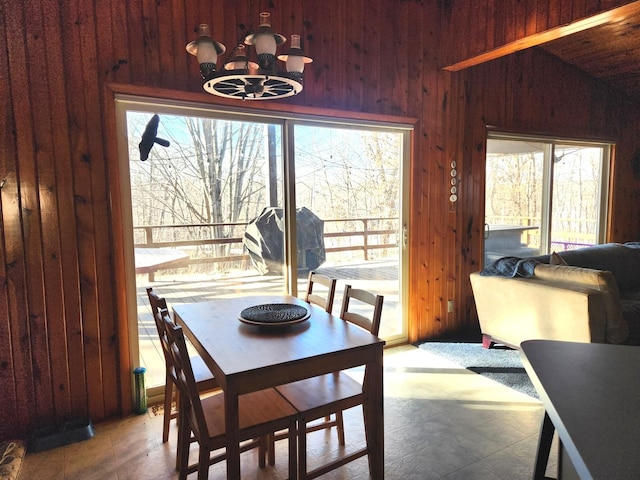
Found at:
[442, 422]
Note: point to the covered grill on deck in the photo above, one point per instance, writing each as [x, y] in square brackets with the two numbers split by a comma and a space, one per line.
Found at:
[264, 239]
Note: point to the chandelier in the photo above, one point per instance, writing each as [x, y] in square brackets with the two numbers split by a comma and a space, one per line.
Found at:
[244, 79]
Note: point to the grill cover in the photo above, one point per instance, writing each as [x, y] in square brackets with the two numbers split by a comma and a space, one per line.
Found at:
[264, 239]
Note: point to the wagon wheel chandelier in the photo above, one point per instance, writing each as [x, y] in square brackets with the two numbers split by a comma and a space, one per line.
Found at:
[244, 79]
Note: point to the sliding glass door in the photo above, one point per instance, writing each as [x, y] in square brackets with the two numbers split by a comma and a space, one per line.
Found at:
[543, 195]
[350, 179]
[231, 203]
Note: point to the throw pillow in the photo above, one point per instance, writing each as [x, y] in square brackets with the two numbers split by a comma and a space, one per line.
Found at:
[556, 259]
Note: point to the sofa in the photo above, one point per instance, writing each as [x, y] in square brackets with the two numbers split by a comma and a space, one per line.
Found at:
[590, 294]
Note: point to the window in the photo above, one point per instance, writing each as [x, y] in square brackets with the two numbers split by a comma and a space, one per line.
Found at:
[543, 195]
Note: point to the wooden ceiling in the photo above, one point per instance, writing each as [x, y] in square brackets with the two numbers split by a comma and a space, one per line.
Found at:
[610, 52]
[605, 45]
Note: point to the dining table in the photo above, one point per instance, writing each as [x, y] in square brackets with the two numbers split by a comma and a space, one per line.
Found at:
[246, 357]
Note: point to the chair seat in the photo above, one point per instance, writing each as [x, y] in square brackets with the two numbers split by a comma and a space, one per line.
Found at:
[325, 390]
[255, 408]
[202, 374]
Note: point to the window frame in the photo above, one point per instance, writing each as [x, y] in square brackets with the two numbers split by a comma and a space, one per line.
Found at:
[550, 141]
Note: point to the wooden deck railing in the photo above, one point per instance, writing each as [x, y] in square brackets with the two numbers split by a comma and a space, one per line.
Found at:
[182, 236]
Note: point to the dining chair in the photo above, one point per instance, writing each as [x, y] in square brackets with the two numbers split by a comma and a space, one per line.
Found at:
[317, 397]
[325, 298]
[260, 413]
[203, 376]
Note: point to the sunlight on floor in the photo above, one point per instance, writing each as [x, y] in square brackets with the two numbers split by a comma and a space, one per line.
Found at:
[441, 422]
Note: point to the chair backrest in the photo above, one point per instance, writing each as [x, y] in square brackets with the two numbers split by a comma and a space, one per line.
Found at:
[157, 303]
[181, 372]
[349, 309]
[325, 301]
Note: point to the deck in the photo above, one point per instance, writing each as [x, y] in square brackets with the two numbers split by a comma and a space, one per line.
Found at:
[178, 288]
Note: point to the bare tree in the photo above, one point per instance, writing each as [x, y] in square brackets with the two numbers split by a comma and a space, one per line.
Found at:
[514, 191]
[211, 174]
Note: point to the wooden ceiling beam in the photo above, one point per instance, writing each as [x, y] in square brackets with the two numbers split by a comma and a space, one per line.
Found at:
[610, 16]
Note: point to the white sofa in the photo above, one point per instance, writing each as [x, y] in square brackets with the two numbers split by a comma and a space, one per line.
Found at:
[596, 298]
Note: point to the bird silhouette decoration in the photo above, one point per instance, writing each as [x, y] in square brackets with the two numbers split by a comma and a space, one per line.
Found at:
[149, 137]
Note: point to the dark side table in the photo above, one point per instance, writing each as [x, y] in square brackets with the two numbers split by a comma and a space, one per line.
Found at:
[591, 396]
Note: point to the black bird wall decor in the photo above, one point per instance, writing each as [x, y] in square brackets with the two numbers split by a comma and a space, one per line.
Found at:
[149, 137]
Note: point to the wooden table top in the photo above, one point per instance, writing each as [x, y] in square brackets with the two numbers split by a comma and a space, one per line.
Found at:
[239, 348]
[591, 393]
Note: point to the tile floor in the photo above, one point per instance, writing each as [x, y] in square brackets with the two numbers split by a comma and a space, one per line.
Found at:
[441, 422]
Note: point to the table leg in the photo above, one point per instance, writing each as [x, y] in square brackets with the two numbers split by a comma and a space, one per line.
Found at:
[544, 447]
[373, 409]
[233, 438]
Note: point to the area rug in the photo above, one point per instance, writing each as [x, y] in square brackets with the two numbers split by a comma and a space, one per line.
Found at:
[500, 364]
[11, 455]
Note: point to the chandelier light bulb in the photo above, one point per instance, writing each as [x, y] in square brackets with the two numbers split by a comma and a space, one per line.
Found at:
[206, 50]
[295, 63]
[295, 58]
[265, 40]
[239, 60]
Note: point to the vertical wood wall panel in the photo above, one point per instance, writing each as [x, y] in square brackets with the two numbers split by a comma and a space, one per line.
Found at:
[358, 58]
[402, 59]
[103, 58]
[29, 150]
[117, 16]
[78, 76]
[62, 321]
[16, 240]
[71, 319]
[436, 202]
[50, 318]
[457, 254]
[178, 25]
[167, 48]
[151, 45]
[136, 61]
[420, 45]
[54, 282]
[10, 367]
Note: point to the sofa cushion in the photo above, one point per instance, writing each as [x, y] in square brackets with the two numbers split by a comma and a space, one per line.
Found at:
[617, 328]
[631, 312]
[622, 261]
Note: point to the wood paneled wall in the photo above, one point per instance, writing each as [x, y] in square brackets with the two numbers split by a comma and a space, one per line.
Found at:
[63, 336]
[528, 92]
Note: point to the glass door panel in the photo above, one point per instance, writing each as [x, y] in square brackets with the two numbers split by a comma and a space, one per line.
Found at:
[576, 196]
[543, 196]
[347, 182]
[206, 215]
[513, 199]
